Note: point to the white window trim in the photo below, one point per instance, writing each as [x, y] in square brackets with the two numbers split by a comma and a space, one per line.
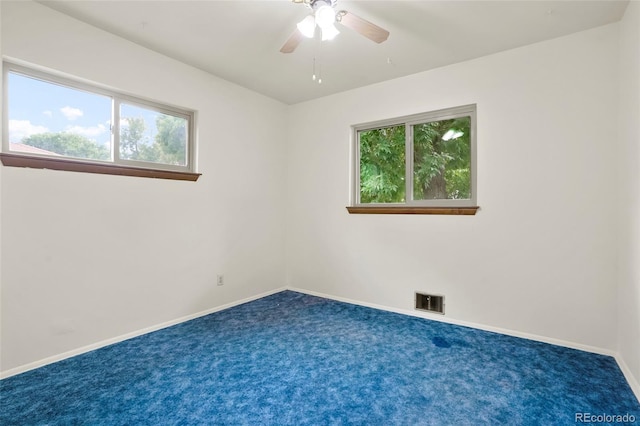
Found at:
[408, 121]
[118, 98]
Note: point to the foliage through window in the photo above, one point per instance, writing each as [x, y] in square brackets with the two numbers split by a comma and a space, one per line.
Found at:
[421, 160]
[54, 117]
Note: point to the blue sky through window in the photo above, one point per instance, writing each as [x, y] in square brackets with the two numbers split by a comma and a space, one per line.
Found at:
[40, 107]
[37, 106]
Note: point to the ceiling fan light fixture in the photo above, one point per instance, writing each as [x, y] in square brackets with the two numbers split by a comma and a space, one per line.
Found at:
[325, 16]
[307, 26]
[329, 33]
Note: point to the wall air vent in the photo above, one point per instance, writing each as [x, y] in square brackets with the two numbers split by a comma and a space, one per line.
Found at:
[430, 303]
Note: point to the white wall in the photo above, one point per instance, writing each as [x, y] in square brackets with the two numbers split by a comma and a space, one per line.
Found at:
[540, 255]
[91, 257]
[629, 212]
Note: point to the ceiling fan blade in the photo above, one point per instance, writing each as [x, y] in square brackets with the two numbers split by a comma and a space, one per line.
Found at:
[293, 42]
[362, 26]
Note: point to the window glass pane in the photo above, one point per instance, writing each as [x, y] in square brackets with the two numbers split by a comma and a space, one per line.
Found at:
[382, 165]
[442, 159]
[50, 119]
[148, 135]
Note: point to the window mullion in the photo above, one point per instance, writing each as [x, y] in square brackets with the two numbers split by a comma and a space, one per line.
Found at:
[408, 155]
[356, 181]
[115, 129]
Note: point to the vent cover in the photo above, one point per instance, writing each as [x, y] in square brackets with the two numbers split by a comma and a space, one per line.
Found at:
[430, 303]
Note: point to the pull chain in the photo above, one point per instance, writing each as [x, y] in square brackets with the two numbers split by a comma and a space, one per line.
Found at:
[317, 65]
[317, 72]
[313, 77]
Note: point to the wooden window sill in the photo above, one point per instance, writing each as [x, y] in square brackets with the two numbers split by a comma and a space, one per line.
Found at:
[413, 210]
[15, 160]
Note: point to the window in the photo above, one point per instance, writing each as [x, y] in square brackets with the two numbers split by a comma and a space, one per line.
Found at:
[424, 163]
[54, 122]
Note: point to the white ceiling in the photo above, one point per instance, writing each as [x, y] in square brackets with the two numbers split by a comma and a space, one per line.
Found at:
[240, 40]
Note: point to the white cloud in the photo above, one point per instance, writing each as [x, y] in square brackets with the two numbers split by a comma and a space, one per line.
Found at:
[47, 113]
[20, 129]
[89, 132]
[71, 113]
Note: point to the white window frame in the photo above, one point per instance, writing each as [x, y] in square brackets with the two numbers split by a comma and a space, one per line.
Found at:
[409, 121]
[117, 98]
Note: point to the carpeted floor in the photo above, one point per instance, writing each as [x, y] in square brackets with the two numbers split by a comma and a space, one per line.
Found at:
[294, 359]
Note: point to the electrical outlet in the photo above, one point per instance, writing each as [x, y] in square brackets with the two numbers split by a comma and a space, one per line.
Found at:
[220, 280]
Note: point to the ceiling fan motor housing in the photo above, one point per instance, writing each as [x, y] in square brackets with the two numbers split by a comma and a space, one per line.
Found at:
[317, 4]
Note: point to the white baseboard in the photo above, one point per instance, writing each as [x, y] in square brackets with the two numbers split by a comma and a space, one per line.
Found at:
[633, 382]
[98, 345]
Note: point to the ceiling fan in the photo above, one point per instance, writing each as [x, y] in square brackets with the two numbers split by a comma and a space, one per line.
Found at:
[324, 16]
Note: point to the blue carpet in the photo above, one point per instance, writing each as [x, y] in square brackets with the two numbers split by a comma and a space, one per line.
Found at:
[294, 359]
